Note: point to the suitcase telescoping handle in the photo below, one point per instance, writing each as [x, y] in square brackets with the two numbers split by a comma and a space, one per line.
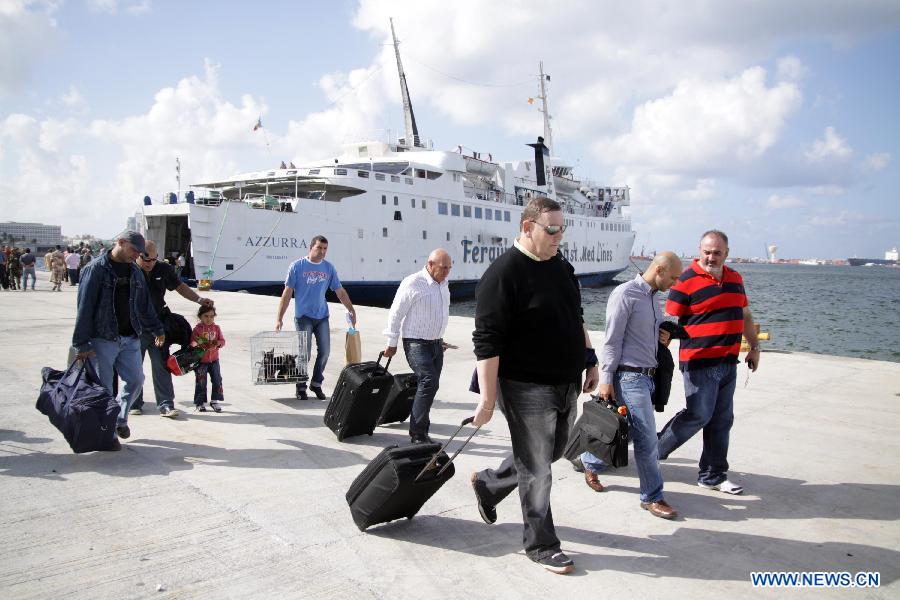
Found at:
[387, 364]
[433, 461]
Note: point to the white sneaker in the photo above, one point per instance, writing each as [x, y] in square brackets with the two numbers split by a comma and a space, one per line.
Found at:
[726, 487]
[170, 413]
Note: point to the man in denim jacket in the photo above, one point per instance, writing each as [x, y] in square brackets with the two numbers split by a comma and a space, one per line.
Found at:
[113, 309]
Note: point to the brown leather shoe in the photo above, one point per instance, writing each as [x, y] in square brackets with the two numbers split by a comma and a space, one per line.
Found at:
[592, 481]
[660, 509]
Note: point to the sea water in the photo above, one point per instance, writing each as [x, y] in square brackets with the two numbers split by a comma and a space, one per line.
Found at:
[844, 311]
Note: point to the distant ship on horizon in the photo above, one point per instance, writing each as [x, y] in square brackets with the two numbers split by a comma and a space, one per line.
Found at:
[891, 258]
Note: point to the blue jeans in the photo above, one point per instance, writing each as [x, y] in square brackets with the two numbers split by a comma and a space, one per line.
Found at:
[426, 358]
[709, 393]
[162, 378]
[26, 271]
[215, 374]
[320, 329]
[122, 357]
[539, 418]
[635, 390]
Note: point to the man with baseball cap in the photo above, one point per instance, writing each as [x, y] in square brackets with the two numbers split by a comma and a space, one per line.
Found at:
[114, 308]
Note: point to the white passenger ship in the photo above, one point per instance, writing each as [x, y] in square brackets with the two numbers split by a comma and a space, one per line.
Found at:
[383, 206]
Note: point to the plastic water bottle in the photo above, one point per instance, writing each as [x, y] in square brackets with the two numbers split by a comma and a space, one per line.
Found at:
[350, 328]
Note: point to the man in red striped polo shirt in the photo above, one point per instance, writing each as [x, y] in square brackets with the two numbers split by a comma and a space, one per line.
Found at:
[710, 303]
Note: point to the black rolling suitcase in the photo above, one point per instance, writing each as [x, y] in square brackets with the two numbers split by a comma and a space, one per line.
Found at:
[358, 398]
[399, 402]
[400, 480]
[602, 431]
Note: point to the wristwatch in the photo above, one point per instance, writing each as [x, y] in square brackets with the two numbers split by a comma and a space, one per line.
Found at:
[754, 347]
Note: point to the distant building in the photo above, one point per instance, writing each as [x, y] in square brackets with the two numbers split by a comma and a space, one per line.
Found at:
[37, 236]
[135, 222]
[892, 254]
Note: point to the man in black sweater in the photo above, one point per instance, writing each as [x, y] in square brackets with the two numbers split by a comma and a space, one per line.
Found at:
[531, 346]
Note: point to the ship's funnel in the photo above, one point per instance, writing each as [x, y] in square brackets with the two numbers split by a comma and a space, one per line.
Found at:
[541, 152]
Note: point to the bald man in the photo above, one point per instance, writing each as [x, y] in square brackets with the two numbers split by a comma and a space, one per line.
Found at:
[420, 312]
[628, 359]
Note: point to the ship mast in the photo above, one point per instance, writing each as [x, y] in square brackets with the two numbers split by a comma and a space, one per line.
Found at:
[412, 132]
[545, 103]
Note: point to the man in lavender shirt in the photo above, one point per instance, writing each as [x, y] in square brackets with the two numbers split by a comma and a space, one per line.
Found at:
[628, 359]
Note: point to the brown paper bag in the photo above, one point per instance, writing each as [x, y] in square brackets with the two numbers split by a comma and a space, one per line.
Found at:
[353, 346]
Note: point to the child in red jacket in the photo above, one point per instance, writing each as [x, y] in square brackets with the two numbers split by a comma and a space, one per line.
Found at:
[208, 336]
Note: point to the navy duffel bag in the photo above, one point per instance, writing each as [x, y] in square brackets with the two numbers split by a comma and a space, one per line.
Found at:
[79, 406]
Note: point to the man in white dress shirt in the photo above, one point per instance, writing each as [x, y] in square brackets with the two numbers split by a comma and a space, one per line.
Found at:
[420, 312]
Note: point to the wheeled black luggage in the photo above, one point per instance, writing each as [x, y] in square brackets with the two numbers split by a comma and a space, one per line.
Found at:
[358, 398]
[602, 431]
[399, 402]
[79, 406]
[400, 480]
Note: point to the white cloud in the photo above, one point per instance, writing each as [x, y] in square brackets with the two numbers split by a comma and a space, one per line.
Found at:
[831, 146]
[778, 202]
[791, 68]
[704, 126]
[104, 6]
[842, 218]
[27, 34]
[876, 162]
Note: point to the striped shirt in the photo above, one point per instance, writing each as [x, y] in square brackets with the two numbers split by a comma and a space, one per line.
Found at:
[422, 305]
[712, 312]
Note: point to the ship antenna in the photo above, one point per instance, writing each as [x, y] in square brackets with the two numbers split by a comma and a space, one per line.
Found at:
[548, 134]
[412, 132]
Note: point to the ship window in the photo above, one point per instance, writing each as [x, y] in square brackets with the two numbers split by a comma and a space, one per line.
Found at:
[340, 171]
[383, 199]
[412, 202]
[477, 212]
[433, 175]
[479, 238]
[384, 232]
[292, 172]
[396, 201]
[409, 180]
[506, 216]
[270, 173]
[423, 203]
[420, 173]
[454, 210]
[456, 177]
[229, 267]
[362, 173]
[398, 216]
[363, 150]
[488, 214]
[359, 233]
[394, 168]
[424, 235]
[442, 208]
[527, 166]
[379, 176]
[314, 171]
[497, 215]
[448, 236]
[363, 166]
[467, 211]
[395, 179]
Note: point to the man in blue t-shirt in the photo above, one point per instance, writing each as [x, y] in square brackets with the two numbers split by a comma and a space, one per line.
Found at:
[307, 280]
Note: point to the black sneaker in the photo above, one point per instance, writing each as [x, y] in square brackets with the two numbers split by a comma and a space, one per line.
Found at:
[318, 392]
[215, 406]
[557, 563]
[301, 395]
[200, 407]
[123, 431]
[487, 511]
[169, 413]
[421, 439]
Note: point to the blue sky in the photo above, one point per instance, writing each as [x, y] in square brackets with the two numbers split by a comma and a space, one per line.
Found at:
[776, 122]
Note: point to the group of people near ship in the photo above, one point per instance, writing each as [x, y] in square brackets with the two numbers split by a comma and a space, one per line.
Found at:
[534, 355]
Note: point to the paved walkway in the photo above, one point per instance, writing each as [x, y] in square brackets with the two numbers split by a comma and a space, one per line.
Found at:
[250, 502]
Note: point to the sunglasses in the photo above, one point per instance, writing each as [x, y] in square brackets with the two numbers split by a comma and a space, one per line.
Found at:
[551, 229]
[148, 259]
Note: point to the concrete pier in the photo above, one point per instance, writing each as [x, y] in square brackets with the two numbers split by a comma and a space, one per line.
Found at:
[250, 502]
